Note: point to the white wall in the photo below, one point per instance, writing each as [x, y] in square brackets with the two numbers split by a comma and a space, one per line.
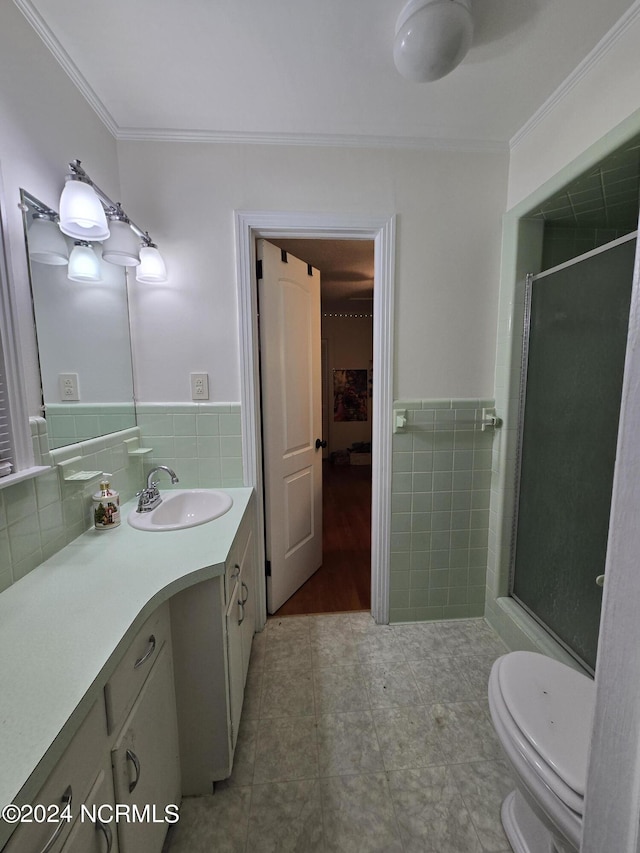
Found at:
[449, 207]
[603, 97]
[349, 345]
[45, 123]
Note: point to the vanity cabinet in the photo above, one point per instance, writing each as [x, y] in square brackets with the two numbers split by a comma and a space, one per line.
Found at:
[212, 626]
[165, 705]
[240, 622]
[125, 753]
[146, 767]
[69, 784]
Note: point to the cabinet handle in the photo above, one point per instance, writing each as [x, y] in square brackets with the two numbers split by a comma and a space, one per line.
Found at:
[235, 572]
[105, 829]
[246, 589]
[241, 606]
[133, 758]
[150, 650]
[65, 801]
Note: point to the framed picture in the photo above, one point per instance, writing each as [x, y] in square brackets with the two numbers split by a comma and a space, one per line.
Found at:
[350, 393]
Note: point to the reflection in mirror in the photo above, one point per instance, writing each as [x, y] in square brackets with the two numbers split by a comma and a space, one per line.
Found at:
[82, 328]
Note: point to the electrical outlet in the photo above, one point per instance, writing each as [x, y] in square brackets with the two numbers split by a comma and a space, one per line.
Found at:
[69, 389]
[199, 386]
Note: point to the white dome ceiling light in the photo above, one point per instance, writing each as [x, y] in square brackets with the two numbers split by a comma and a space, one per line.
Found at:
[432, 38]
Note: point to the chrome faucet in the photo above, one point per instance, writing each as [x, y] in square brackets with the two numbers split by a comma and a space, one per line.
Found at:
[149, 498]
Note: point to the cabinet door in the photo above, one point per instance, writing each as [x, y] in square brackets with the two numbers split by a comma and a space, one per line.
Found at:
[145, 761]
[247, 604]
[234, 657]
[95, 830]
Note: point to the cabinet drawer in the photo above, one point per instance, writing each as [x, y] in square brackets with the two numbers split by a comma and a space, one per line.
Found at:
[97, 831]
[124, 685]
[72, 777]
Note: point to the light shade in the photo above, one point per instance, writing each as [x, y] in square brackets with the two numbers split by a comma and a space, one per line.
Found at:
[46, 243]
[84, 264]
[123, 244]
[81, 213]
[152, 269]
[432, 38]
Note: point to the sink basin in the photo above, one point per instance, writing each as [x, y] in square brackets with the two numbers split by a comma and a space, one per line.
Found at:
[182, 508]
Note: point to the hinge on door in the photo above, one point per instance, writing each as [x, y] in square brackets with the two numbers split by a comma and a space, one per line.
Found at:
[283, 256]
[267, 568]
[309, 269]
[258, 270]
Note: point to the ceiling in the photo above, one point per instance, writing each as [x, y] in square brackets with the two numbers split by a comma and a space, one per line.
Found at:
[307, 73]
[312, 72]
[346, 271]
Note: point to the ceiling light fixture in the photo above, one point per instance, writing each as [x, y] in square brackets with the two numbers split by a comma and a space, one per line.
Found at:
[432, 38]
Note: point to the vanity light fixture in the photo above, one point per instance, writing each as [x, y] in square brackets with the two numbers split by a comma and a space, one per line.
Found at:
[123, 237]
[82, 215]
[123, 244]
[46, 242]
[432, 38]
[152, 269]
[84, 264]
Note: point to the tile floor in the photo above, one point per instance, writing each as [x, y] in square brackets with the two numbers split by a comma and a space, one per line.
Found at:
[357, 737]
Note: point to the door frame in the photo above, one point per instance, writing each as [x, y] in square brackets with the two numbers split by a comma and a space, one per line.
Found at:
[250, 225]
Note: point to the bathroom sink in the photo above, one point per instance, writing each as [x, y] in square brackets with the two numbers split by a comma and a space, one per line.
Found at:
[182, 508]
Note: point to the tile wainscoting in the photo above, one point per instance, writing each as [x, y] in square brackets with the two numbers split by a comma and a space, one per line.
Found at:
[38, 517]
[202, 442]
[441, 487]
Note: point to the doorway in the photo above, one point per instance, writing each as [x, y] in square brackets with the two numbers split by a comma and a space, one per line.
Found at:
[278, 225]
[343, 581]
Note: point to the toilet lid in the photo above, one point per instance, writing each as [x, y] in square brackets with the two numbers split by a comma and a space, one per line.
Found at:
[552, 705]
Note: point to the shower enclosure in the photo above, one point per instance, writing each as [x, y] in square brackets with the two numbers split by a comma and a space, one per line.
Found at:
[573, 361]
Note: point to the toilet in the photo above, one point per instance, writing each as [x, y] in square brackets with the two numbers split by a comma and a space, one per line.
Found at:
[542, 712]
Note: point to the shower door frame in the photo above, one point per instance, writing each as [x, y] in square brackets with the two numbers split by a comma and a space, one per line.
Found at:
[531, 278]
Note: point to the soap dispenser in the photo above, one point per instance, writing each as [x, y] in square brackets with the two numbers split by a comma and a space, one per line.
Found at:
[106, 506]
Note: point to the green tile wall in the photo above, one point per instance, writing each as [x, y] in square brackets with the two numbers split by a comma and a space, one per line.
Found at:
[38, 517]
[68, 423]
[41, 515]
[440, 510]
[563, 244]
[202, 442]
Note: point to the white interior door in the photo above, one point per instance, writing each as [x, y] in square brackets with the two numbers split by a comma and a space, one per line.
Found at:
[289, 306]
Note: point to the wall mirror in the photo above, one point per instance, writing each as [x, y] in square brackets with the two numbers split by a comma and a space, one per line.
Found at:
[83, 334]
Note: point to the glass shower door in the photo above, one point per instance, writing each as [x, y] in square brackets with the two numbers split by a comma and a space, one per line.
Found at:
[574, 363]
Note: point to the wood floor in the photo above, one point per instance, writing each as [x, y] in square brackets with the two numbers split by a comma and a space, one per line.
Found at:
[343, 582]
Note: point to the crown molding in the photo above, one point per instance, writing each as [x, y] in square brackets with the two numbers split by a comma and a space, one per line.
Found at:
[151, 134]
[67, 64]
[335, 140]
[588, 63]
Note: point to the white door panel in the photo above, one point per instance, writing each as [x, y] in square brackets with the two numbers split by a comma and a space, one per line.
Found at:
[292, 420]
[299, 490]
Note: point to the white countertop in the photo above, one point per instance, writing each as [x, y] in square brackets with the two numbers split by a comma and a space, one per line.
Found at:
[65, 626]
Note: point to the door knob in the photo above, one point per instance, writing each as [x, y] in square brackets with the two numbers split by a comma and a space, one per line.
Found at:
[320, 443]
